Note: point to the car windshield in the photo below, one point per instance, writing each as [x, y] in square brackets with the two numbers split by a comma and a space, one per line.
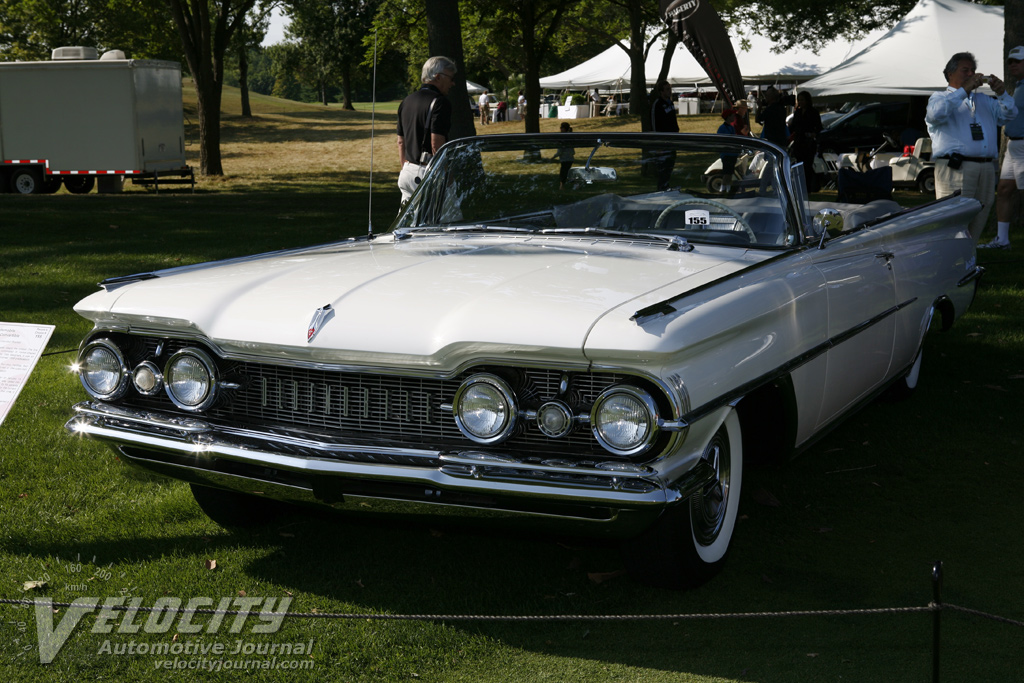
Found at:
[687, 188]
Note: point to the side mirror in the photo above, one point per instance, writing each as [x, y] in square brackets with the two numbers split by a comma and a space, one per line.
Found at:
[828, 223]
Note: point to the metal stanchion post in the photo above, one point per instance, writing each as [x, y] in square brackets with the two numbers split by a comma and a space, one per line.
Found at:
[936, 618]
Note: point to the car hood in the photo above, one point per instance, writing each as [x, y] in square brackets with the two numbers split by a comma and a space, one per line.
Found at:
[420, 301]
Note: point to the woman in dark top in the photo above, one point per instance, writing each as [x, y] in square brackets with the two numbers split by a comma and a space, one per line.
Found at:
[804, 135]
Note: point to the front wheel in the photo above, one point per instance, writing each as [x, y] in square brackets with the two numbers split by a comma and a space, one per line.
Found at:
[689, 543]
[27, 181]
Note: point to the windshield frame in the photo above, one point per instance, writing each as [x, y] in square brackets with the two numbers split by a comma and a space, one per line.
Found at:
[793, 206]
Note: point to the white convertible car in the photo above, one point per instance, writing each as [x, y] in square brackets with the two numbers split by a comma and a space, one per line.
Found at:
[543, 335]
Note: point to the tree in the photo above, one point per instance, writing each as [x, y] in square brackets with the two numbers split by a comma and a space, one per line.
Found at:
[526, 31]
[416, 30]
[31, 29]
[444, 37]
[331, 33]
[811, 23]
[248, 37]
[205, 28]
[635, 26]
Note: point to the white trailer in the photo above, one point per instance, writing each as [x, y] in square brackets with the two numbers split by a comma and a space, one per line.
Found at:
[77, 119]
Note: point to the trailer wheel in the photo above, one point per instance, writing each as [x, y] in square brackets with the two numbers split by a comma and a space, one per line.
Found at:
[79, 184]
[26, 181]
[50, 184]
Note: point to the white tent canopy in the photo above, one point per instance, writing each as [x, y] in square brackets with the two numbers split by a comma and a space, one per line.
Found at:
[759, 64]
[908, 60]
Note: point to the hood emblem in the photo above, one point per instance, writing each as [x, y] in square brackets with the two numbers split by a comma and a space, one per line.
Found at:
[320, 318]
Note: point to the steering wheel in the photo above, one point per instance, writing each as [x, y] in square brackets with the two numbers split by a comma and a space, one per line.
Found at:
[706, 202]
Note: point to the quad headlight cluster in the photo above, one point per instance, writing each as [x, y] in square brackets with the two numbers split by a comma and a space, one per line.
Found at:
[189, 377]
[624, 419]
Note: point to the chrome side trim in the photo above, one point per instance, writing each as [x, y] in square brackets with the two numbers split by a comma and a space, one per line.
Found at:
[731, 397]
[666, 307]
[975, 274]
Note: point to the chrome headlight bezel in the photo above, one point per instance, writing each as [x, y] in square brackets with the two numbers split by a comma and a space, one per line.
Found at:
[212, 381]
[648, 427]
[123, 374]
[564, 421]
[506, 417]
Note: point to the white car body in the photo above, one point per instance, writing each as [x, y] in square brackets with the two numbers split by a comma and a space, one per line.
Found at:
[720, 342]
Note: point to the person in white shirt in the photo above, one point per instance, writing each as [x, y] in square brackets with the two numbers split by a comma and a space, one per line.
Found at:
[485, 108]
[962, 125]
[1011, 178]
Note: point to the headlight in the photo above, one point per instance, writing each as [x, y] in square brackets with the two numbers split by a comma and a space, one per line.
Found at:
[102, 369]
[485, 409]
[190, 378]
[625, 420]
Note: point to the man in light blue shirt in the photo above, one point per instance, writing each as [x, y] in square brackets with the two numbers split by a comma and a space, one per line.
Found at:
[1011, 180]
[962, 125]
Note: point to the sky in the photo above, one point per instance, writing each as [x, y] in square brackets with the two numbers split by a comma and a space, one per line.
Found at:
[276, 32]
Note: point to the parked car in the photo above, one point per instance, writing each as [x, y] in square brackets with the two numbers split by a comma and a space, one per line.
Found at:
[866, 127]
[592, 355]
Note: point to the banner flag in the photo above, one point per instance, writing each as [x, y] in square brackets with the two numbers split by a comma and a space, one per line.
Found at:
[701, 30]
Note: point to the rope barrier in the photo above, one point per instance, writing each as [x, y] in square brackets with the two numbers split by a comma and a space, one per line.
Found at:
[931, 607]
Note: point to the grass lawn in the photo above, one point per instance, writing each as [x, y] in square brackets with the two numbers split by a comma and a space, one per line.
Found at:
[856, 522]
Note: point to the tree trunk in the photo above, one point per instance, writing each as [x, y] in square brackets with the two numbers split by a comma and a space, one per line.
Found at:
[670, 49]
[638, 104]
[205, 43]
[1013, 35]
[346, 88]
[243, 81]
[444, 38]
[208, 96]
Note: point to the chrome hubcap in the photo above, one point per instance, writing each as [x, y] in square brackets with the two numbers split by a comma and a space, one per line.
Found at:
[708, 507]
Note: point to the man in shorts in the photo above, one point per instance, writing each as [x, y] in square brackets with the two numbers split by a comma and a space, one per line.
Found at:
[1011, 178]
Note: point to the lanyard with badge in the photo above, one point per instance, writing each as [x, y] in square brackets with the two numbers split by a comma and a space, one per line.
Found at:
[976, 132]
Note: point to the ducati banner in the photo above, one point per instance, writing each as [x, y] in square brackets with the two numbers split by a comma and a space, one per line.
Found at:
[701, 30]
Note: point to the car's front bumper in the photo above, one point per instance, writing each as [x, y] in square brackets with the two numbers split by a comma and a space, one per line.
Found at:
[386, 479]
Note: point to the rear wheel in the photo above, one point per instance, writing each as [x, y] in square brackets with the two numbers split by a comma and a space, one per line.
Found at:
[79, 184]
[715, 182]
[689, 543]
[50, 184]
[231, 509]
[926, 181]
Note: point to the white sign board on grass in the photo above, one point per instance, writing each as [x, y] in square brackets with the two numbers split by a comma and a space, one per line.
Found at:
[21, 345]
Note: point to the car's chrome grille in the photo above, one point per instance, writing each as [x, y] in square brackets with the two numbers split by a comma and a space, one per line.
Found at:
[372, 407]
[348, 403]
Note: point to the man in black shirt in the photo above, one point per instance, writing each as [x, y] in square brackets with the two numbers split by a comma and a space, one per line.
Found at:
[663, 120]
[424, 120]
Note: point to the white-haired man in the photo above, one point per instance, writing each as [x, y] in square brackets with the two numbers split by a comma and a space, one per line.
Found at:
[424, 120]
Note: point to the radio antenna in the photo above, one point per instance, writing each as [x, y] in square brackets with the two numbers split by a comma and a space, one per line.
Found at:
[373, 119]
